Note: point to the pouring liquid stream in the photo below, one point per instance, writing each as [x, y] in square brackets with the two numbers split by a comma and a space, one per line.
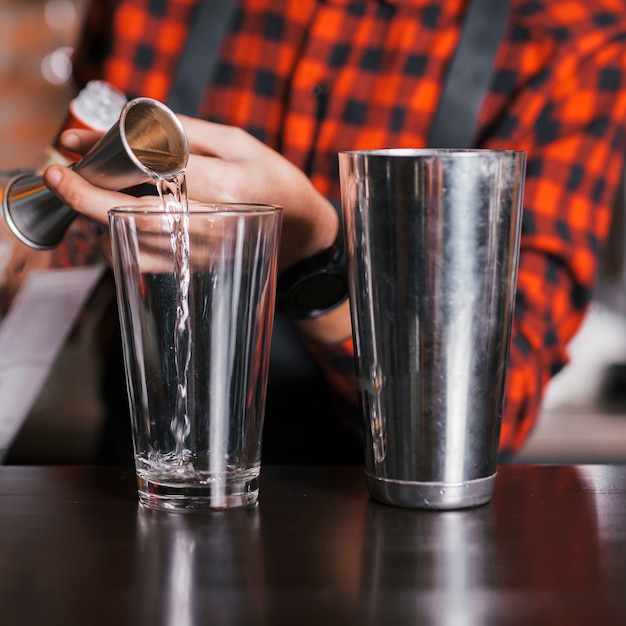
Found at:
[173, 194]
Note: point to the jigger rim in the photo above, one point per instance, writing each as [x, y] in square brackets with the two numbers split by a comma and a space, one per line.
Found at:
[182, 136]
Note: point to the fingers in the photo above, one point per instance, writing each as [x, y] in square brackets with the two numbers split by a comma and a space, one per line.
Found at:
[211, 139]
[78, 194]
[79, 141]
[213, 180]
[200, 135]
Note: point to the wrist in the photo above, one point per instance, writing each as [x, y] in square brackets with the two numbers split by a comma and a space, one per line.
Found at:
[332, 328]
[315, 285]
[308, 230]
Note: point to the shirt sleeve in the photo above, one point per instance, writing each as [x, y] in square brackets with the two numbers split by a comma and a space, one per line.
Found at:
[80, 245]
[574, 144]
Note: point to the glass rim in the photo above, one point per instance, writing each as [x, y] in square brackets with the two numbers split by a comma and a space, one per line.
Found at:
[196, 208]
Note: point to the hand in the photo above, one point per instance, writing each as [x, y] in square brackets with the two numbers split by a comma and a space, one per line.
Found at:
[76, 192]
[229, 165]
[226, 164]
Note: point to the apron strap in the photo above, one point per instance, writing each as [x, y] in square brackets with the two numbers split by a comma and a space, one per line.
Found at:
[466, 82]
[469, 75]
[196, 69]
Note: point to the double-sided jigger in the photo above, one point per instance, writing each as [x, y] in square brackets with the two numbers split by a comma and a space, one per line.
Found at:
[147, 143]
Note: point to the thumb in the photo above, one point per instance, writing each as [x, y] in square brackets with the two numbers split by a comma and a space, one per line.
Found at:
[83, 197]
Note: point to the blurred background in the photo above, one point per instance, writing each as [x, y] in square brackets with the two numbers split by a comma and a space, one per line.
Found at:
[584, 416]
[36, 39]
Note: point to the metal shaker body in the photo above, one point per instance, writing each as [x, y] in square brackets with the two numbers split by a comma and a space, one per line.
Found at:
[147, 142]
[432, 242]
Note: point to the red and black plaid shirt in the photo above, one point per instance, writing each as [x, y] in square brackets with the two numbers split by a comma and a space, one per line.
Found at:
[559, 93]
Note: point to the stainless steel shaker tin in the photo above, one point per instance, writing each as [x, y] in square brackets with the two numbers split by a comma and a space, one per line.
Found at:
[432, 242]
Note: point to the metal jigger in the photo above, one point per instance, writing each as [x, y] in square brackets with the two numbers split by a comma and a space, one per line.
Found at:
[147, 143]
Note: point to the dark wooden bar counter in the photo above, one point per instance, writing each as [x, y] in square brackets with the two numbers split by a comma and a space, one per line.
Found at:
[76, 548]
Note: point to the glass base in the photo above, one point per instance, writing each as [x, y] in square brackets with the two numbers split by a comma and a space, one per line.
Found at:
[224, 492]
[432, 495]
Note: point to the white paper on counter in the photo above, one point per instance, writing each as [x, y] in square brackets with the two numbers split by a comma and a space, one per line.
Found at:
[31, 336]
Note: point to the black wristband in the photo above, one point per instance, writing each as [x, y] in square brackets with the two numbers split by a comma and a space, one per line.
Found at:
[313, 286]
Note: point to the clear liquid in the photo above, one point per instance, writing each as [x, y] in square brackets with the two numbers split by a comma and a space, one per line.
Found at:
[173, 194]
[212, 462]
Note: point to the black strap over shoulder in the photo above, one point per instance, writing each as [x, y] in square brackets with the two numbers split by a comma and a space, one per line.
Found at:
[466, 82]
[197, 66]
[469, 75]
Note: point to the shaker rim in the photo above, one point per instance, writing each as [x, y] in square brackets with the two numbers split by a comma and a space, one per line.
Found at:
[427, 152]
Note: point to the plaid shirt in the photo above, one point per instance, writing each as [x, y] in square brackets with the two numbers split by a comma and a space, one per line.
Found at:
[310, 78]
